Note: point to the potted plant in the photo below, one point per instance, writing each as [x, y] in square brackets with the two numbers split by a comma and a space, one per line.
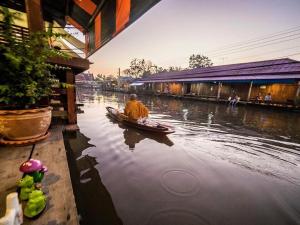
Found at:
[25, 79]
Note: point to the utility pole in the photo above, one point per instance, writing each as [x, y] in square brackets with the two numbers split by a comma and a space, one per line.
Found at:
[119, 75]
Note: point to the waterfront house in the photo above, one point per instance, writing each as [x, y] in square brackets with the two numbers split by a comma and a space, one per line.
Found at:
[124, 83]
[280, 77]
[97, 21]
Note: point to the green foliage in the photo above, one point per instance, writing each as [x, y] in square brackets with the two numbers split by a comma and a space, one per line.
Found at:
[196, 61]
[24, 71]
[174, 68]
[141, 67]
[138, 67]
[100, 78]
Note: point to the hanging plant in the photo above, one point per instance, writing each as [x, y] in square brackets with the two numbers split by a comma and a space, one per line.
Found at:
[25, 75]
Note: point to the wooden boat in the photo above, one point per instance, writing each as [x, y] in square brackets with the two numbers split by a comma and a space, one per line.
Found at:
[146, 126]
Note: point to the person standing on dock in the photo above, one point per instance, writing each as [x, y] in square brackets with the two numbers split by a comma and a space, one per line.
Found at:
[134, 109]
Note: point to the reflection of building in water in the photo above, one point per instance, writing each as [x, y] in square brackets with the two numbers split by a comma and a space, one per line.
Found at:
[209, 118]
[268, 121]
[174, 105]
[185, 113]
[93, 201]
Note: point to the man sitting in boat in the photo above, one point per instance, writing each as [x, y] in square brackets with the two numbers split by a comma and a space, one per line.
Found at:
[134, 109]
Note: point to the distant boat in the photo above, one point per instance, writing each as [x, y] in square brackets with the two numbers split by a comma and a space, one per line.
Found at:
[147, 125]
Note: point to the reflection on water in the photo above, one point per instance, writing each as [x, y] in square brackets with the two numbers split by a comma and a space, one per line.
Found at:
[92, 198]
[134, 136]
[223, 165]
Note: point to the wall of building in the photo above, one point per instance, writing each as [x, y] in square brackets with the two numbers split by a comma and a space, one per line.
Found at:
[205, 89]
[175, 88]
[158, 87]
[240, 89]
[280, 93]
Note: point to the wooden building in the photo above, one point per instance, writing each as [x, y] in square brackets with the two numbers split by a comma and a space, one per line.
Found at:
[97, 20]
[280, 78]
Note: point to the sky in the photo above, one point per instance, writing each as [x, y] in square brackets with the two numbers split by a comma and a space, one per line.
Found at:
[174, 29]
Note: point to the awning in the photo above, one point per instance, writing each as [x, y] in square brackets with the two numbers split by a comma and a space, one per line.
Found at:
[136, 84]
[100, 20]
[290, 77]
[112, 17]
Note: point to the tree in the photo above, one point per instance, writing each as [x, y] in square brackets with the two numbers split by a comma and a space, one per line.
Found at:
[160, 69]
[174, 68]
[137, 68]
[99, 78]
[140, 67]
[196, 61]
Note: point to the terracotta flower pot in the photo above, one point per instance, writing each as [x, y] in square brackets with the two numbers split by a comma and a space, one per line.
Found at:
[19, 125]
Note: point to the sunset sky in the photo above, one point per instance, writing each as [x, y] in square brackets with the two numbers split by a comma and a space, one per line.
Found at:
[174, 29]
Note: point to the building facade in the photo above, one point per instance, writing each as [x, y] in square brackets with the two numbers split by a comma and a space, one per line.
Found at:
[248, 81]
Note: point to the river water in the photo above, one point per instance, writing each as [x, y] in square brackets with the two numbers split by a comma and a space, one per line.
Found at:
[223, 165]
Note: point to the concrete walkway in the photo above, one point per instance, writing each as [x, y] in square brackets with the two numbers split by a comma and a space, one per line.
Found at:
[61, 207]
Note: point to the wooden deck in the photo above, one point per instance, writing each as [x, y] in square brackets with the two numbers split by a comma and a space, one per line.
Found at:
[61, 208]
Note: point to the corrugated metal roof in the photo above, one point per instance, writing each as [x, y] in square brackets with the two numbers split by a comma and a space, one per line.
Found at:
[279, 69]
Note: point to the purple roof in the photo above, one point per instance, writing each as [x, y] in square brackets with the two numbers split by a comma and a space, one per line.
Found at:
[270, 69]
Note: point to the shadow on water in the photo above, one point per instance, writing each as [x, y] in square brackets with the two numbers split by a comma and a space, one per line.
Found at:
[134, 136]
[93, 201]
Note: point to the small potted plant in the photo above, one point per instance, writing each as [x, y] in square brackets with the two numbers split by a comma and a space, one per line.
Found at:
[25, 79]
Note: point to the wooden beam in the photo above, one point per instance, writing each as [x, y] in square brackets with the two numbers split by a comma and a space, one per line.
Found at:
[71, 97]
[249, 92]
[297, 96]
[219, 90]
[298, 90]
[34, 15]
[76, 63]
[70, 38]
[96, 12]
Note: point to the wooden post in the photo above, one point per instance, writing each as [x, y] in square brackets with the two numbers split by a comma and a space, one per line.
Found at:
[71, 97]
[249, 92]
[219, 91]
[296, 99]
[153, 91]
[298, 90]
[34, 15]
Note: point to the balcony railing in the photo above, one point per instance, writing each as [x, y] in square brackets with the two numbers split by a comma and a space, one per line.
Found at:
[22, 33]
[19, 32]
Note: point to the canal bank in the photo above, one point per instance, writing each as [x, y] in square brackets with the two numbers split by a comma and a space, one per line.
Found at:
[61, 208]
[276, 106]
[279, 106]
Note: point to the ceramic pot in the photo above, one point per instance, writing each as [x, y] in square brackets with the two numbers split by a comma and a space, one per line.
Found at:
[26, 124]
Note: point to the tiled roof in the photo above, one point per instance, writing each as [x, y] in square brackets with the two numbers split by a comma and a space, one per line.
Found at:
[270, 69]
